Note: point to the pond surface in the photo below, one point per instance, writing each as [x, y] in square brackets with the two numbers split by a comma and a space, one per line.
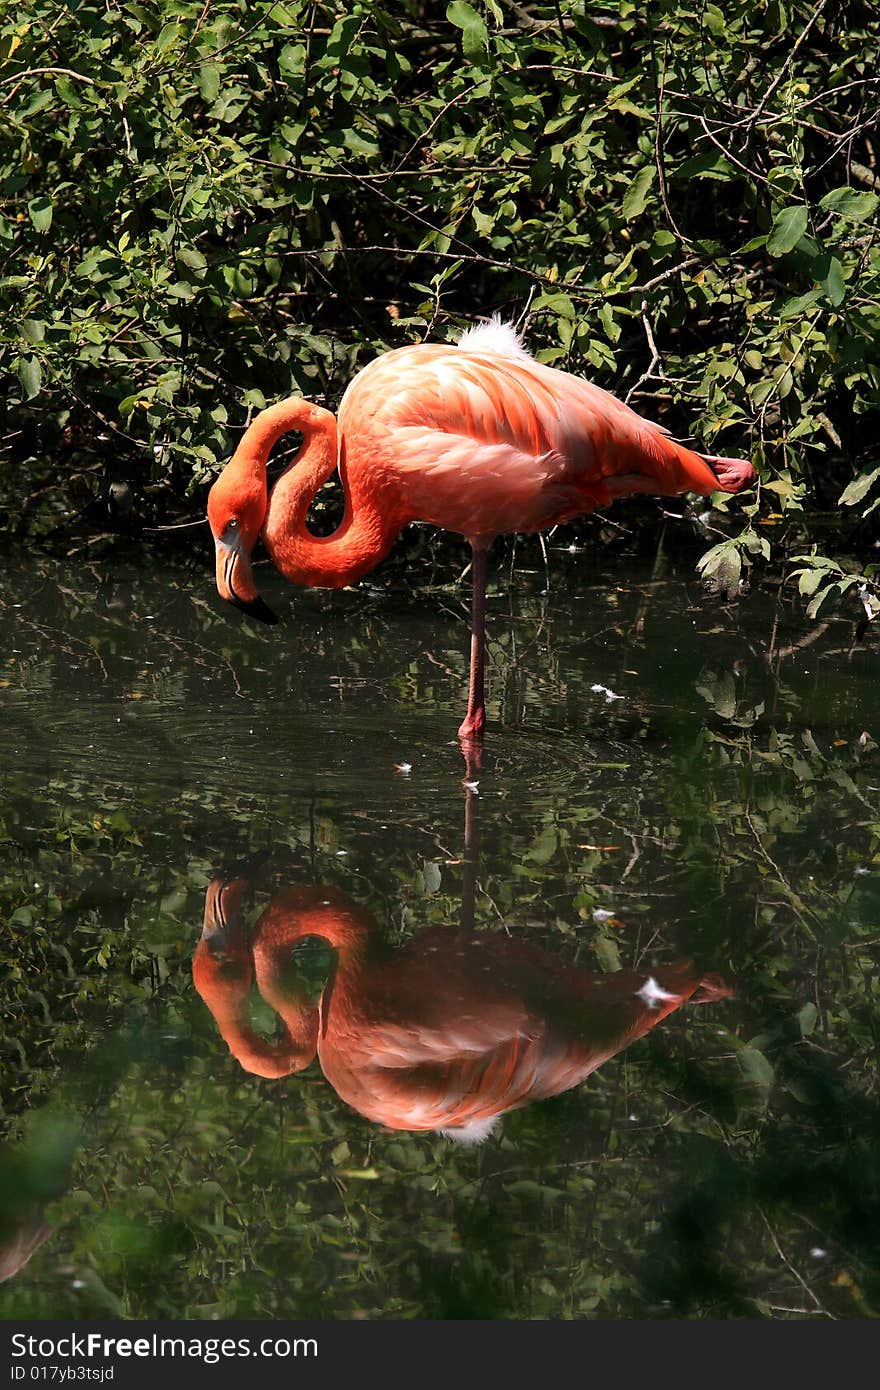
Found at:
[678, 801]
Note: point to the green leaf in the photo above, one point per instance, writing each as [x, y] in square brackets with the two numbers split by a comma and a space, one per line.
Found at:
[355, 142]
[191, 257]
[127, 405]
[755, 1067]
[705, 166]
[474, 34]
[722, 568]
[833, 282]
[30, 376]
[617, 100]
[858, 488]
[544, 847]
[609, 323]
[33, 330]
[637, 194]
[807, 1018]
[40, 210]
[557, 303]
[809, 580]
[759, 391]
[209, 81]
[167, 36]
[67, 90]
[431, 876]
[789, 226]
[484, 223]
[292, 59]
[792, 307]
[826, 599]
[851, 205]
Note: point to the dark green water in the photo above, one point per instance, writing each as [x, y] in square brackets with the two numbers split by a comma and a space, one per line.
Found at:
[725, 808]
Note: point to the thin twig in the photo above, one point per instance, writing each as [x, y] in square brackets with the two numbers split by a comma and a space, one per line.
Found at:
[179, 525]
[788, 1264]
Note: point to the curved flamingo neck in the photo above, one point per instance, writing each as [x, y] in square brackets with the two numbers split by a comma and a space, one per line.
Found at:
[325, 912]
[370, 522]
[223, 978]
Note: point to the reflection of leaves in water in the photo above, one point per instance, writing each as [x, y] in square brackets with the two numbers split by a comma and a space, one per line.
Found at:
[432, 876]
[709, 827]
[719, 691]
[310, 965]
[755, 1066]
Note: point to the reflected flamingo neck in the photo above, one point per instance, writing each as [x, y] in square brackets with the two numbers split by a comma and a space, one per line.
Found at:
[323, 912]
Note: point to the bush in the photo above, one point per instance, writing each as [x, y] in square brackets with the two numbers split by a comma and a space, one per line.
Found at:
[207, 206]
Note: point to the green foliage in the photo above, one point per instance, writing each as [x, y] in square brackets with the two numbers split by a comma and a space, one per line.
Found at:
[204, 209]
[827, 581]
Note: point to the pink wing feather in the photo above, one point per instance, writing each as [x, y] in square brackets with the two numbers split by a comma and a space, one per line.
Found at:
[481, 439]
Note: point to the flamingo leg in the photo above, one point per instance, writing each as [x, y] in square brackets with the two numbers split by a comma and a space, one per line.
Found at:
[475, 719]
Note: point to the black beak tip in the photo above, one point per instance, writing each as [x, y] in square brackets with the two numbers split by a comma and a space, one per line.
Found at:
[256, 608]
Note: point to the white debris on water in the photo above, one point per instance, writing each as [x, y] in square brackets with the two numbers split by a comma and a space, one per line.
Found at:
[603, 690]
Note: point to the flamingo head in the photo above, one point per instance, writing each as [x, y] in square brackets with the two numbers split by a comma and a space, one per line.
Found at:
[236, 511]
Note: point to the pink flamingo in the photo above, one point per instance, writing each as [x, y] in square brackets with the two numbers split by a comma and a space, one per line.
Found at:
[477, 438]
[446, 1033]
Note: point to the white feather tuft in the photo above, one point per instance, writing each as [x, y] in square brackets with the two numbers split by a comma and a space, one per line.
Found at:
[652, 993]
[494, 336]
[474, 1132]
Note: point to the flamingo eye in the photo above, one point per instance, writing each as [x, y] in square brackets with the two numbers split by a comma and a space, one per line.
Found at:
[232, 524]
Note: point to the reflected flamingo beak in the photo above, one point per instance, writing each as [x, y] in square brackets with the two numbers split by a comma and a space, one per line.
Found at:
[223, 904]
[235, 581]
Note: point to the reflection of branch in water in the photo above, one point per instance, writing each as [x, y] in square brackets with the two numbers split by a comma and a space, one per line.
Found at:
[788, 1264]
[795, 901]
[56, 636]
[634, 857]
[658, 570]
[782, 653]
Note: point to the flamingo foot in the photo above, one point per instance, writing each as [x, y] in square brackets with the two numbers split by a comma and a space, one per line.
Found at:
[473, 724]
[710, 988]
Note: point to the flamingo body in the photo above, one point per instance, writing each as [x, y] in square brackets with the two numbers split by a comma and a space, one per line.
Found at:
[447, 1033]
[481, 439]
[477, 438]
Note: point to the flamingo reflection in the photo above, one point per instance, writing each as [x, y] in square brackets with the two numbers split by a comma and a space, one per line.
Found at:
[447, 1032]
[22, 1238]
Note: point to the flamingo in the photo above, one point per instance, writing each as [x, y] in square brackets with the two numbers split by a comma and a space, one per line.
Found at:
[446, 1033]
[475, 437]
[23, 1238]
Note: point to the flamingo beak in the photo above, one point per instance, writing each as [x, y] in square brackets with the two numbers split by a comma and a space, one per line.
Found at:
[235, 581]
[223, 908]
